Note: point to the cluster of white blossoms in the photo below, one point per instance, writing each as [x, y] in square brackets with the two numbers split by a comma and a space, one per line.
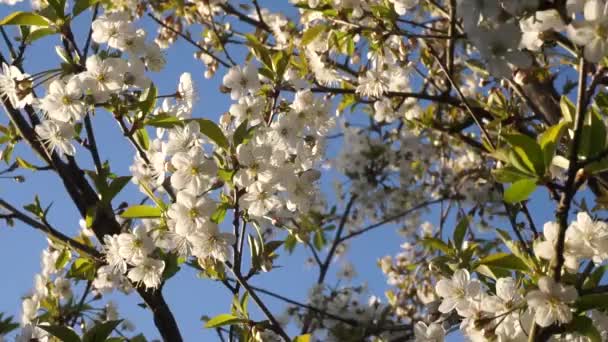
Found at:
[74, 95]
[351, 304]
[277, 165]
[585, 239]
[502, 42]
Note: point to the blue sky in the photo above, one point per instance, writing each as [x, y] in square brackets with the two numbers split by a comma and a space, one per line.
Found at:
[188, 296]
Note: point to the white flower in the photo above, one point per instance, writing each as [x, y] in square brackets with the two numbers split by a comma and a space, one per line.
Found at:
[253, 159]
[135, 76]
[593, 32]
[40, 286]
[56, 135]
[154, 57]
[248, 108]
[212, 243]
[29, 308]
[588, 239]
[259, 199]
[190, 212]
[546, 249]
[533, 26]
[428, 333]
[113, 258]
[193, 171]
[108, 279]
[186, 92]
[31, 333]
[16, 86]
[135, 247]
[457, 291]
[499, 47]
[48, 259]
[149, 272]
[62, 288]
[507, 296]
[242, 81]
[103, 76]
[63, 101]
[182, 139]
[383, 110]
[373, 84]
[550, 302]
[114, 29]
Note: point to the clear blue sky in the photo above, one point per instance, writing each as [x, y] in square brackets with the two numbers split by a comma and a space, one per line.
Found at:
[188, 296]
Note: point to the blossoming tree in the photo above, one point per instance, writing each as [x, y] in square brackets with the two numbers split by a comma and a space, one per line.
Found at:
[466, 110]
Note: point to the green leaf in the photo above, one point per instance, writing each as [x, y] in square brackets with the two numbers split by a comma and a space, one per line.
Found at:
[115, 187]
[213, 132]
[595, 277]
[319, 240]
[172, 263]
[492, 272]
[520, 190]
[58, 7]
[63, 259]
[163, 120]
[568, 109]
[313, 32]
[226, 175]
[240, 133]
[504, 261]
[62, 332]
[220, 213]
[509, 174]
[224, 319]
[142, 138]
[82, 268]
[141, 211]
[302, 338]
[593, 137]
[436, 244]
[40, 33]
[592, 301]
[528, 150]
[148, 100]
[549, 140]
[460, 231]
[259, 50]
[584, 326]
[100, 332]
[81, 5]
[25, 19]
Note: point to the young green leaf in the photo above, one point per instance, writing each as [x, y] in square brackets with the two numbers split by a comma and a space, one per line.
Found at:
[81, 5]
[25, 19]
[62, 332]
[224, 319]
[213, 132]
[460, 231]
[141, 211]
[100, 332]
[585, 326]
[549, 140]
[520, 190]
[312, 33]
[302, 338]
[528, 150]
